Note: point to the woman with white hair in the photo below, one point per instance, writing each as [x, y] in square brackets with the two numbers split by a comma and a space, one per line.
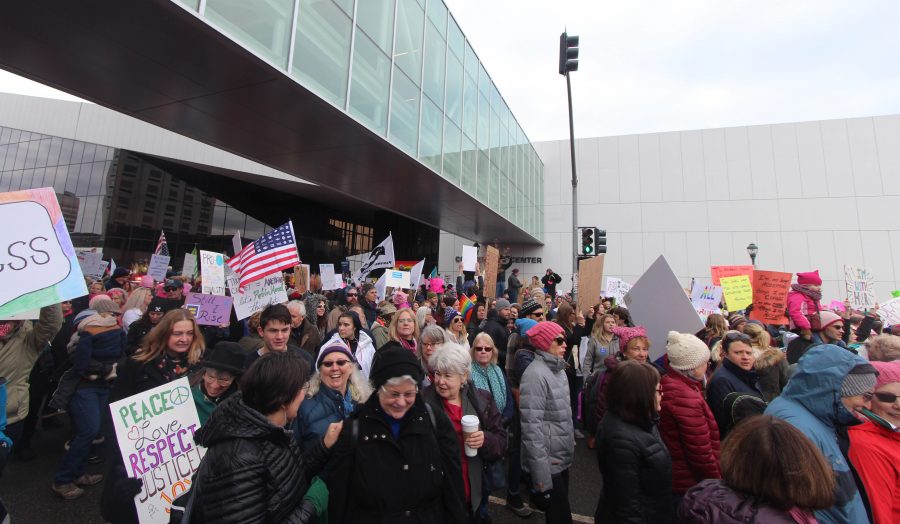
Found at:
[424, 317]
[456, 396]
[430, 339]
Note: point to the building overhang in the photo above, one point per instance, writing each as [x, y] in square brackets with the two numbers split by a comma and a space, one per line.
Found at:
[157, 62]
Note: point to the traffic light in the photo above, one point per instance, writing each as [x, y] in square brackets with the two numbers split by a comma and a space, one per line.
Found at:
[568, 54]
[600, 239]
[593, 241]
[587, 241]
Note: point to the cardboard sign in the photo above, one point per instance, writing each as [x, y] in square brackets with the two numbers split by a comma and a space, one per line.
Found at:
[616, 288]
[469, 257]
[770, 289]
[397, 279]
[159, 265]
[155, 431]
[209, 310]
[658, 302]
[327, 273]
[212, 273]
[890, 312]
[718, 272]
[491, 266]
[738, 292]
[590, 281]
[257, 295]
[189, 268]
[706, 299]
[860, 285]
[38, 264]
[301, 278]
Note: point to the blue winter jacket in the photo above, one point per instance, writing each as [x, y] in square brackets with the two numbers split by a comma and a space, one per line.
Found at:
[811, 402]
[316, 413]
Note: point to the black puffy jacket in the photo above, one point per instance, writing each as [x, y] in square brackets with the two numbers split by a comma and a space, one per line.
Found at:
[637, 473]
[252, 471]
[495, 326]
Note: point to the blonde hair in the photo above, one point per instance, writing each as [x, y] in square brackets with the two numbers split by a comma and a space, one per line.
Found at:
[393, 327]
[359, 388]
[137, 299]
[157, 340]
[760, 340]
[484, 336]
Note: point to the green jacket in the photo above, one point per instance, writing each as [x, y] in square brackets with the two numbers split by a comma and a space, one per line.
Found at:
[18, 353]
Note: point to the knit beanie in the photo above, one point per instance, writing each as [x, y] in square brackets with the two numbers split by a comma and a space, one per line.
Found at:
[809, 278]
[529, 307]
[627, 333]
[121, 272]
[160, 305]
[449, 315]
[827, 318]
[541, 335]
[735, 320]
[399, 298]
[395, 362]
[334, 346]
[887, 372]
[686, 352]
[501, 304]
[861, 379]
[524, 324]
[147, 281]
[103, 304]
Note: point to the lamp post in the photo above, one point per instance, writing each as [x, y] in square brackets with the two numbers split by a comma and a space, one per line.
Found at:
[752, 250]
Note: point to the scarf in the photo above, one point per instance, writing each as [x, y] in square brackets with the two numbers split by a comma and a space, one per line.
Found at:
[7, 327]
[409, 344]
[172, 368]
[97, 320]
[807, 292]
[491, 380]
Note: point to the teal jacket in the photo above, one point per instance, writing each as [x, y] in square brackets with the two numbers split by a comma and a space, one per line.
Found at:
[811, 402]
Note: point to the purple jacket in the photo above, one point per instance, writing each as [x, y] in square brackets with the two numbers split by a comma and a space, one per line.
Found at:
[712, 501]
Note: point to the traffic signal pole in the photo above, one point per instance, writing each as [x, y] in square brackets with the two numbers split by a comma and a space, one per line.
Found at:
[574, 184]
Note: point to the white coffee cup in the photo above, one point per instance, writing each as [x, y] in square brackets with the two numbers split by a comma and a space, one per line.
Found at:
[469, 425]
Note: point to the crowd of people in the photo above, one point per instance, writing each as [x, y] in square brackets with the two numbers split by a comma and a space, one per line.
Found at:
[347, 407]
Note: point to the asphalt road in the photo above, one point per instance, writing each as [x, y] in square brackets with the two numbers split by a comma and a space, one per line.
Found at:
[25, 487]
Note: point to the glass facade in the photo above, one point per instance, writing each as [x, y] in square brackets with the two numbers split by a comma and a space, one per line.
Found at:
[404, 69]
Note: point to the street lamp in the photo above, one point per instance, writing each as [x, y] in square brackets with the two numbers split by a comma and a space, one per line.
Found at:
[752, 250]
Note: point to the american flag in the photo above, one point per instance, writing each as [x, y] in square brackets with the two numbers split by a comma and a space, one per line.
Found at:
[162, 247]
[273, 252]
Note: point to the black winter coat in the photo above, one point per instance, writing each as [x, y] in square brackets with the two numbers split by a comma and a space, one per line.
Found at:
[637, 473]
[416, 478]
[253, 471]
[496, 328]
[729, 378]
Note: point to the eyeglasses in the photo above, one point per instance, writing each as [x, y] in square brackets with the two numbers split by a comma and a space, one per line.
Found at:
[484, 349]
[405, 321]
[222, 380]
[887, 398]
[320, 306]
[408, 396]
[352, 294]
[560, 341]
[332, 363]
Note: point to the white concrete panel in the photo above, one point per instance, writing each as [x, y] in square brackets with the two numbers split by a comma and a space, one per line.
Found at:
[715, 164]
[671, 167]
[739, 242]
[737, 150]
[588, 166]
[608, 169]
[822, 254]
[629, 169]
[771, 254]
[721, 251]
[762, 162]
[876, 249]
[879, 212]
[41, 115]
[848, 249]
[811, 159]
[887, 135]
[676, 251]
[693, 169]
[557, 167]
[674, 216]
[894, 242]
[787, 167]
[795, 249]
[864, 153]
[612, 265]
[654, 245]
[838, 164]
[818, 214]
[697, 253]
[651, 172]
[632, 253]
[557, 218]
[743, 215]
[612, 217]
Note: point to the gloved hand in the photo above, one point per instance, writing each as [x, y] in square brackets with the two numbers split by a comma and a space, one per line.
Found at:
[318, 495]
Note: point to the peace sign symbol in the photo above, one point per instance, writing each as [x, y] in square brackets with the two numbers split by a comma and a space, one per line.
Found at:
[179, 395]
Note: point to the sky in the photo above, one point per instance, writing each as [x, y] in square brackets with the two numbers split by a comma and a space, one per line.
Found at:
[651, 66]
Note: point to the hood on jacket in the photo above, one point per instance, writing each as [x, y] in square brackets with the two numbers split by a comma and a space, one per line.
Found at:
[233, 419]
[816, 383]
[769, 357]
[553, 362]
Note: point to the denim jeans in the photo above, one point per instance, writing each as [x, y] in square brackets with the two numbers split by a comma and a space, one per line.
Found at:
[85, 407]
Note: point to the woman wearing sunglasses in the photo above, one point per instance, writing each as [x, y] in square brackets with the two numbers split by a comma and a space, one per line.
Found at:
[456, 327]
[335, 392]
[735, 375]
[875, 446]
[487, 375]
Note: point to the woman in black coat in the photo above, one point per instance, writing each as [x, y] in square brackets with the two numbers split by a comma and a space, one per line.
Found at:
[634, 461]
[253, 470]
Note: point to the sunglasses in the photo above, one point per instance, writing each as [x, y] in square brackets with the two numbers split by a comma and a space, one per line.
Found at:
[538, 313]
[483, 349]
[887, 398]
[168, 288]
[457, 320]
[560, 341]
[352, 294]
[339, 363]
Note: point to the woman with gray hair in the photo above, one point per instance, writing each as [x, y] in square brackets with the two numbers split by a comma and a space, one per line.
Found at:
[453, 394]
[429, 340]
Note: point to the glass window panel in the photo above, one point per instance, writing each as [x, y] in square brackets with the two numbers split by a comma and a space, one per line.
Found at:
[432, 129]
[264, 27]
[83, 178]
[452, 155]
[495, 137]
[456, 40]
[65, 152]
[347, 6]
[43, 152]
[193, 4]
[322, 49]
[21, 153]
[484, 122]
[25, 137]
[470, 107]
[376, 18]
[4, 155]
[31, 154]
[369, 85]
[470, 161]
[77, 152]
[89, 150]
[435, 51]
[25, 181]
[484, 82]
[404, 113]
[408, 44]
[15, 136]
[453, 106]
[98, 179]
[484, 177]
[437, 13]
[6, 181]
[5, 133]
[471, 62]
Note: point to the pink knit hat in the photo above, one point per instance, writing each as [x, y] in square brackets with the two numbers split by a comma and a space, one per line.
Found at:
[627, 333]
[887, 372]
[542, 335]
[147, 281]
[827, 318]
[809, 278]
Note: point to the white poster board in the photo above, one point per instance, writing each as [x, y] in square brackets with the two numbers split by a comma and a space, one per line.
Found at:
[236, 242]
[469, 257]
[99, 270]
[326, 271]
[155, 431]
[189, 268]
[705, 297]
[616, 288]
[658, 302]
[397, 279]
[88, 261]
[890, 312]
[860, 287]
[212, 273]
[159, 265]
[257, 294]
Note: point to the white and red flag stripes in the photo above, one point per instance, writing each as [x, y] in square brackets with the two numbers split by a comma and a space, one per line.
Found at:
[273, 252]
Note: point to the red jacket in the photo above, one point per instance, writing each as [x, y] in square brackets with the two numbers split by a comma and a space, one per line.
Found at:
[689, 430]
[875, 453]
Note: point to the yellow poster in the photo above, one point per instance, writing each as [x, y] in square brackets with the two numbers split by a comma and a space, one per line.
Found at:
[737, 291]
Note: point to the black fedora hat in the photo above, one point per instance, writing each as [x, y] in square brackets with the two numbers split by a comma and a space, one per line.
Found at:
[225, 356]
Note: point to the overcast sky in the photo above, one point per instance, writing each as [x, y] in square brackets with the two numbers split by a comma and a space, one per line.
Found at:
[649, 66]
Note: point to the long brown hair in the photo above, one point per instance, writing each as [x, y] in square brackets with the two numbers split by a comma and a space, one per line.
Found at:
[564, 314]
[772, 460]
[597, 331]
[157, 340]
[632, 392]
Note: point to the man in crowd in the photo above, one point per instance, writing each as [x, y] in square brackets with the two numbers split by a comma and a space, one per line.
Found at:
[495, 326]
[550, 280]
[303, 333]
[829, 331]
[275, 331]
[174, 291]
[513, 285]
[119, 278]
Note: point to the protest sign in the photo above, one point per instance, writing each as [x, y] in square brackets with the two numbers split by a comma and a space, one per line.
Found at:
[88, 260]
[301, 278]
[339, 281]
[212, 272]
[738, 292]
[38, 265]
[718, 272]
[469, 257]
[706, 299]
[616, 288]
[590, 281]
[491, 267]
[236, 242]
[860, 285]
[155, 431]
[33, 314]
[770, 289]
[890, 312]
[209, 310]
[112, 266]
[658, 302]
[257, 294]
[98, 271]
[415, 275]
[397, 279]
[190, 265]
[159, 265]
[381, 287]
[327, 273]
[837, 305]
